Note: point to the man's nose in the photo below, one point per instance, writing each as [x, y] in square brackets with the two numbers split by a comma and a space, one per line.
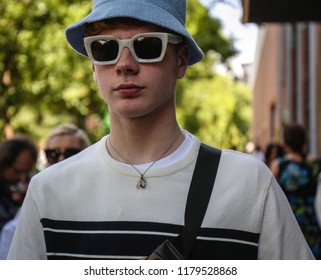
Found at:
[127, 63]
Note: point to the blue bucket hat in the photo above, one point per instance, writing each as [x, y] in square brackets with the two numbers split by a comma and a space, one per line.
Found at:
[169, 14]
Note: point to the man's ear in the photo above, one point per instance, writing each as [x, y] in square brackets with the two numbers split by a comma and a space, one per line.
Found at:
[182, 61]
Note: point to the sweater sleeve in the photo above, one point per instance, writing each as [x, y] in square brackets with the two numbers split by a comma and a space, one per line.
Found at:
[281, 237]
[28, 242]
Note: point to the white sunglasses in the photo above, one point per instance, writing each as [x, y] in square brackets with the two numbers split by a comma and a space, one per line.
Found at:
[145, 47]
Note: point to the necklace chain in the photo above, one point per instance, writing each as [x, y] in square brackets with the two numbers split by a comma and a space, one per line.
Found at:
[142, 179]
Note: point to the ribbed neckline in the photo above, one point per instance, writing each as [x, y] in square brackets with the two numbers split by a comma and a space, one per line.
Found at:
[127, 170]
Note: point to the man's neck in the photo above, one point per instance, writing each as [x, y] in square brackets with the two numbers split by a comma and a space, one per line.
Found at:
[139, 143]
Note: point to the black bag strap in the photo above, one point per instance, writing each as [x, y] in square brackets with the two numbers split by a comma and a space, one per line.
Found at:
[198, 197]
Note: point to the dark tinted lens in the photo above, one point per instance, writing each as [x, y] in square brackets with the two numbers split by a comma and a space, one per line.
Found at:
[148, 48]
[104, 50]
[52, 155]
[70, 152]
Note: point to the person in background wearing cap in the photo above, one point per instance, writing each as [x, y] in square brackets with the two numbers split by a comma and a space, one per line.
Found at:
[124, 195]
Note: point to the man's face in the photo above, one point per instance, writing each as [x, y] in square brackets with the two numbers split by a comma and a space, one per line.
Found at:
[132, 89]
[20, 170]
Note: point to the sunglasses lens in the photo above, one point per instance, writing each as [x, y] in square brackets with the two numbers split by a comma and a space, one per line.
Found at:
[145, 47]
[53, 155]
[104, 50]
[71, 152]
[148, 47]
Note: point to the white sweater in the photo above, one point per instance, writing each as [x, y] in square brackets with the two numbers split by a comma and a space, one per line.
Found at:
[88, 207]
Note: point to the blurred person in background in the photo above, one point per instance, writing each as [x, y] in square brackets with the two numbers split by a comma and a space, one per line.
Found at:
[64, 141]
[258, 152]
[295, 174]
[318, 200]
[273, 151]
[18, 157]
[317, 170]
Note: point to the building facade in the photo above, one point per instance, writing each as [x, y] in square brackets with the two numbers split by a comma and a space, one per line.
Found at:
[286, 82]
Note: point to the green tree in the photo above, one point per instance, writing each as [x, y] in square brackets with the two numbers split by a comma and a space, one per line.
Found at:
[42, 79]
[215, 108]
[217, 111]
[207, 31]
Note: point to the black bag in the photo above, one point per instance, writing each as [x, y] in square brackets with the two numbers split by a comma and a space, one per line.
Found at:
[165, 251]
[198, 197]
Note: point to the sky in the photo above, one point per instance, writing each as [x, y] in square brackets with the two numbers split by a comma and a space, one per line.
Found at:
[245, 34]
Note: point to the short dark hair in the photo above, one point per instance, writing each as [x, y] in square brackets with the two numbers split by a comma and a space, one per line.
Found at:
[295, 137]
[10, 149]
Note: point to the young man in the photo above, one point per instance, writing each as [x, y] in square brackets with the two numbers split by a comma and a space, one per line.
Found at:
[126, 194]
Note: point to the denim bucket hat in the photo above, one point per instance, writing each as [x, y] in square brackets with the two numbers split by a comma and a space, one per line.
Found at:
[170, 14]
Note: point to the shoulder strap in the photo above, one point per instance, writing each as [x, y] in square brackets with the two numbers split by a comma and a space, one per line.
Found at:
[198, 197]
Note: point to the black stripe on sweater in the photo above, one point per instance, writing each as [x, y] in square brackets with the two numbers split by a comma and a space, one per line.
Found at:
[134, 240]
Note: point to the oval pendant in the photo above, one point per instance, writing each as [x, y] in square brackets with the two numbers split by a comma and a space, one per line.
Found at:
[142, 182]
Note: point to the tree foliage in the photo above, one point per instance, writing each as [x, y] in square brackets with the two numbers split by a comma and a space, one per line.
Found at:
[43, 82]
[217, 111]
[207, 31]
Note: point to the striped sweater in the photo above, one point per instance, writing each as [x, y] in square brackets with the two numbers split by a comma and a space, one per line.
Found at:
[88, 207]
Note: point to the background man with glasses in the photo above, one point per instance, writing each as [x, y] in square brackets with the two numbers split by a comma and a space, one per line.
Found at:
[18, 157]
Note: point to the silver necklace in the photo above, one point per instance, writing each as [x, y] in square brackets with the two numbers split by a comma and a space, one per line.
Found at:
[142, 179]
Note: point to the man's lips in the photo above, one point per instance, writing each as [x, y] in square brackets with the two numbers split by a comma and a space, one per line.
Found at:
[128, 89]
